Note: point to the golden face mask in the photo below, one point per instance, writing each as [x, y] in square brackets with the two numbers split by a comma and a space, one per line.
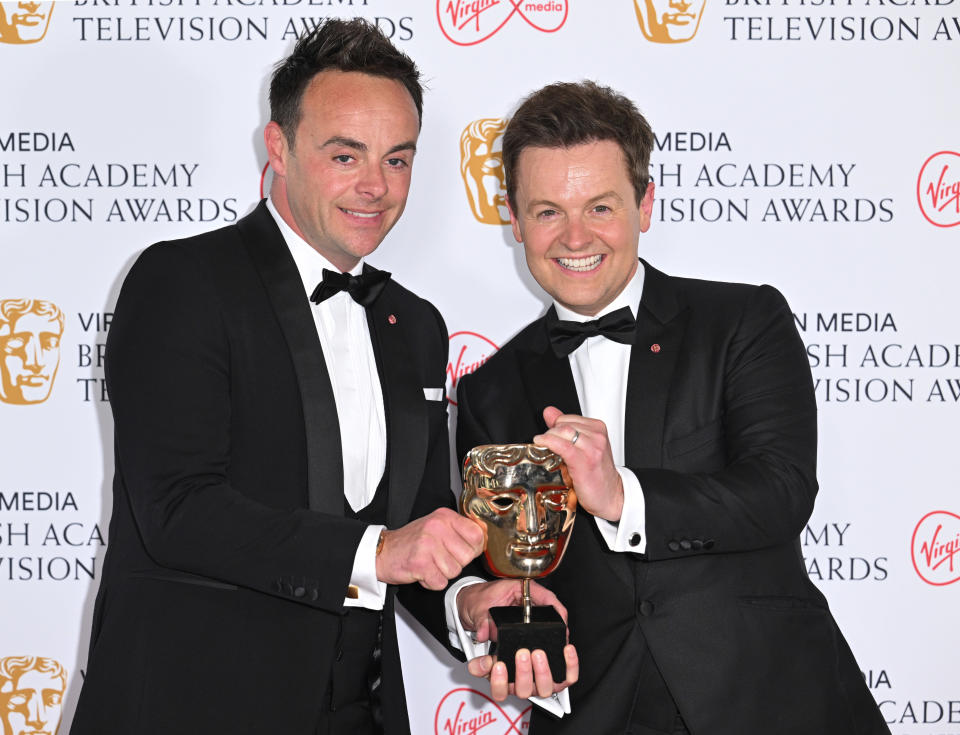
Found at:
[522, 496]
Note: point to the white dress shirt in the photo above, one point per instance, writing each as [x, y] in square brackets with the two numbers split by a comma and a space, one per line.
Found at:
[600, 370]
[348, 352]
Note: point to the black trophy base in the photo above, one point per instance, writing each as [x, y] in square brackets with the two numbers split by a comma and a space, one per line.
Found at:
[545, 631]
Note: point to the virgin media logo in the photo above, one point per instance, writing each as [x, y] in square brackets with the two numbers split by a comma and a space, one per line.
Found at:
[936, 548]
[938, 189]
[468, 22]
[468, 351]
[465, 711]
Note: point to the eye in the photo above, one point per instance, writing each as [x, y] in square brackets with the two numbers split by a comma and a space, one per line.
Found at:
[343, 158]
[554, 499]
[546, 214]
[16, 700]
[15, 343]
[501, 502]
[397, 162]
[602, 209]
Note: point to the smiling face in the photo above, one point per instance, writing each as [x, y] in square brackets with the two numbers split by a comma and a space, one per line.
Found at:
[343, 184]
[523, 498]
[579, 222]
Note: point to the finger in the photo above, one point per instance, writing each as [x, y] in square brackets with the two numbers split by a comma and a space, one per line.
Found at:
[523, 674]
[542, 596]
[480, 666]
[499, 686]
[483, 631]
[573, 665]
[550, 415]
[542, 678]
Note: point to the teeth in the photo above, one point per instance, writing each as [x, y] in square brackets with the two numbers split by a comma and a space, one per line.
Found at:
[580, 264]
[365, 215]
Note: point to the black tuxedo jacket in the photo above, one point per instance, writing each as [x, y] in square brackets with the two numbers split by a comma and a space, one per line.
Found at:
[720, 429]
[229, 554]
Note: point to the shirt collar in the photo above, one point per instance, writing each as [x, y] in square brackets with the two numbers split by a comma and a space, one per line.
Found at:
[309, 261]
[629, 297]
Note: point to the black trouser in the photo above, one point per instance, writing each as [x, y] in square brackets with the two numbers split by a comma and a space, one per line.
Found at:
[352, 702]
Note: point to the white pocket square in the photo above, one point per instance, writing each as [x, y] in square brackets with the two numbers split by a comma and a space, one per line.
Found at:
[433, 394]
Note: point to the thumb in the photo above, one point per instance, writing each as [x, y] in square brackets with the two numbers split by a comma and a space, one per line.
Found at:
[550, 415]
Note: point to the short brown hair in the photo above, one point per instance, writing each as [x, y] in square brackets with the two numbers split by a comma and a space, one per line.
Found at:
[570, 113]
[341, 45]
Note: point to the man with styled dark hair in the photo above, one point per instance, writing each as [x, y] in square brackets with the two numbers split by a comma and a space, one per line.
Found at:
[280, 420]
[685, 412]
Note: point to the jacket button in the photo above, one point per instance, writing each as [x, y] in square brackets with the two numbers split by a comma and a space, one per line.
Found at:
[634, 539]
[697, 544]
[686, 545]
[708, 544]
[646, 608]
[299, 592]
[673, 546]
[314, 594]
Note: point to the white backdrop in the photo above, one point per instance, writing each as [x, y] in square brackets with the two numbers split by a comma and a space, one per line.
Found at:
[809, 144]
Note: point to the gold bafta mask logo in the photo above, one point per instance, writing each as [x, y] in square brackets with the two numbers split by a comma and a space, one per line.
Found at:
[523, 497]
[481, 166]
[669, 21]
[31, 695]
[30, 333]
[24, 22]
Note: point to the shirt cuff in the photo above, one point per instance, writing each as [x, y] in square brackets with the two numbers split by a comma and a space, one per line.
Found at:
[371, 592]
[630, 532]
[557, 704]
[460, 638]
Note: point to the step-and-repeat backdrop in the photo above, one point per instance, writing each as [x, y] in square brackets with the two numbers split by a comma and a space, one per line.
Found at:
[810, 144]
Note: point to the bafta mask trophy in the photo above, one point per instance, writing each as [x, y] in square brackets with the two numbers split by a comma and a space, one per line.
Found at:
[522, 496]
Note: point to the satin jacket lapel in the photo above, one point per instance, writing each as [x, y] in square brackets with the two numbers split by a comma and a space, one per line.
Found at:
[547, 379]
[403, 403]
[661, 323]
[283, 283]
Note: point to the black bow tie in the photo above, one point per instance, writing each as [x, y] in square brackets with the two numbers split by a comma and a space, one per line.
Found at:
[565, 336]
[363, 288]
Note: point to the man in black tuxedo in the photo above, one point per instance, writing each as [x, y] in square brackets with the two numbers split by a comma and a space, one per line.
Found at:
[278, 407]
[686, 414]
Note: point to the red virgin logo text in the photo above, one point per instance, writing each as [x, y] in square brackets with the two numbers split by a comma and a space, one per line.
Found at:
[938, 189]
[468, 351]
[936, 548]
[465, 711]
[468, 22]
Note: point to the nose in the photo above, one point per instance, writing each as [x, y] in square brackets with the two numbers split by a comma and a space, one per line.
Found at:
[32, 353]
[36, 714]
[372, 183]
[533, 517]
[576, 235]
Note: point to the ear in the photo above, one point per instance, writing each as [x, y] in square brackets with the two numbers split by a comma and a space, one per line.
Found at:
[277, 147]
[514, 223]
[646, 208]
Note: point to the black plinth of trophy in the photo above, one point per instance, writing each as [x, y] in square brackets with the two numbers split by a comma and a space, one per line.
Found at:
[545, 631]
